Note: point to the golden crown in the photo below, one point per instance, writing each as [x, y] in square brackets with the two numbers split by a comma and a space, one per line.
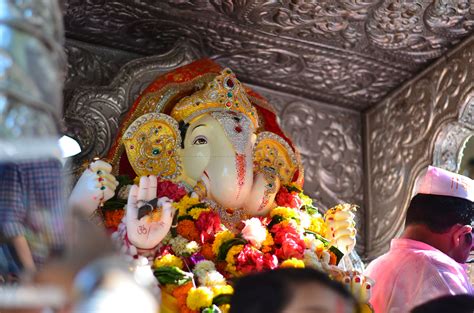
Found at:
[225, 92]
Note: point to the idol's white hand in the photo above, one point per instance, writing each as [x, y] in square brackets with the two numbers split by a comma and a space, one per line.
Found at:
[95, 186]
[148, 231]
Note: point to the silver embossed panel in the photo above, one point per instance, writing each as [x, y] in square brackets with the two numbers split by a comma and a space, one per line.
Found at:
[349, 53]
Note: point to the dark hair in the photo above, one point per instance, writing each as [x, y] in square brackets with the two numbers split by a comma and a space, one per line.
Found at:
[271, 291]
[439, 213]
[451, 303]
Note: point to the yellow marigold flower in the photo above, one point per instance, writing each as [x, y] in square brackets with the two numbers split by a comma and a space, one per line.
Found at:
[235, 250]
[230, 259]
[197, 211]
[199, 298]
[284, 212]
[318, 226]
[225, 308]
[294, 263]
[221, 237]
[306, 200]
[268, 240]
[185, 203]
[223, 289]
[168, 260]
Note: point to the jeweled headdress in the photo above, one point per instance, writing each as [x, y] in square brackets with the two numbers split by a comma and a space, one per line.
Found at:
[223, 93]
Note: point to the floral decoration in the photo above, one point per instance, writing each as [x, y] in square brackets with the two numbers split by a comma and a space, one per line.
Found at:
[199, 258]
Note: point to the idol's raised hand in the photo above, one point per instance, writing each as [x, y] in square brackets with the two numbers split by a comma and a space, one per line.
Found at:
[95, 186]
[341, 227]
[146, 227]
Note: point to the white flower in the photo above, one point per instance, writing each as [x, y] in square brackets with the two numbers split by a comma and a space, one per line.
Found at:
[305, 219]
[311, 260]
[254, 232]
[204, 267]
[212, 278]
[183, 247]
[312, 243]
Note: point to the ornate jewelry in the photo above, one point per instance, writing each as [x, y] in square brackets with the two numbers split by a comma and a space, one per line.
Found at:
[224, 93]
[272, 151]
[151, 143]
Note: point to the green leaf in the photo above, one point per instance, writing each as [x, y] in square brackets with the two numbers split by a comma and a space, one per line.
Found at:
[172, 275]
[225, 247]
[311, 209]
[337, 252]
[275, 220]
[124, 180]
[293, 189]
[200, 205]
[317, 236]
[222, 299]
[185, 217]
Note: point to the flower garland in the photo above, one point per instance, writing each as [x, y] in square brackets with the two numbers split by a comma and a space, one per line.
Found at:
[200, 256]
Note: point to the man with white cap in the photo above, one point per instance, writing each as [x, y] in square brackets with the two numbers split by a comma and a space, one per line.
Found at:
[427, 261]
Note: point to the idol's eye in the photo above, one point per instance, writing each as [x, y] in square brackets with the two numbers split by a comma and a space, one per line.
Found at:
[200, 140]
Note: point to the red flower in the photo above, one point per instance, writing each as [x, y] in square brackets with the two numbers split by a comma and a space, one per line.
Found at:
[288, 242]
[208, 224]
[171, 190]
[251, 260]
[288, 199]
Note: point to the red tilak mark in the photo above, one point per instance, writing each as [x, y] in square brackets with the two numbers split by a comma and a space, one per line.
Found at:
[357, 279]
[101, 179]
[238, 129]
[367, 287]
[240, 165]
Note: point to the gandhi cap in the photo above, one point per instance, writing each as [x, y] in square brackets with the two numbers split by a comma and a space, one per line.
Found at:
[437, 181]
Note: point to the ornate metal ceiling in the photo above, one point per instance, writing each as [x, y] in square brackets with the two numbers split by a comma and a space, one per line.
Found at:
[349, 53]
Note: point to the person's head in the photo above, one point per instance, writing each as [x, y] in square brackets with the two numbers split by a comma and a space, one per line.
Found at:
[451, 303]
[291, 290]
[442, 212]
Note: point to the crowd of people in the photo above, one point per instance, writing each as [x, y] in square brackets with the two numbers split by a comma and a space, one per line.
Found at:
[424, 270]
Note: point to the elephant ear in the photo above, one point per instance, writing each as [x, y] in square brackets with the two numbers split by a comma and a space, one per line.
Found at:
[152, 142]
[272, 151]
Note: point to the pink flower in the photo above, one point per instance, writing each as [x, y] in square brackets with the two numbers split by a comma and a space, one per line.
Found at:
[208, 224]
[252, 260]
[169, 189]
[254, 232]
[288, 242]
[288, 199]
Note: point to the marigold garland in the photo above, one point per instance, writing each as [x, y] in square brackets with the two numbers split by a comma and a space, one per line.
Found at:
[188, 230]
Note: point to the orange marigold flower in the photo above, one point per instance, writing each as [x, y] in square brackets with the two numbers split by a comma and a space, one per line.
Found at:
[188, 230]
[181, 294]
[182, 290]
[206, 251]
[112, 218]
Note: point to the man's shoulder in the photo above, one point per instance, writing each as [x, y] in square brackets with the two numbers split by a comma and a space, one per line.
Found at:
[391, 260]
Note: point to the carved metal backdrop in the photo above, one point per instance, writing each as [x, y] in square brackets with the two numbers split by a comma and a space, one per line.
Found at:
[349, 53]
[425, 122]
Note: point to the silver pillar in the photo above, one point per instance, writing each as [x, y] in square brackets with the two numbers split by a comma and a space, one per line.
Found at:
[31, 78]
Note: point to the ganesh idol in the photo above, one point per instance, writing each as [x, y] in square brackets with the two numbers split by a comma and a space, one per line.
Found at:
[204, 185]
